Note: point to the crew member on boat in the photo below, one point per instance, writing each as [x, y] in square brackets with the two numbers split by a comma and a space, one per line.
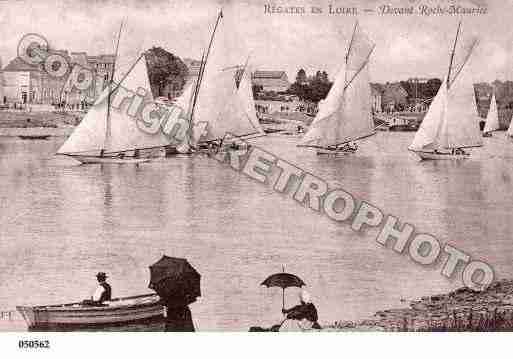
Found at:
[302, 316]
[102, 293]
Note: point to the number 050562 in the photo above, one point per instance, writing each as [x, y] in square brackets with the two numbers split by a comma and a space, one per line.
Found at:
[34, 344]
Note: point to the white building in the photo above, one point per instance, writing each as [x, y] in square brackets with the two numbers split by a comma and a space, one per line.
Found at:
[276, 81]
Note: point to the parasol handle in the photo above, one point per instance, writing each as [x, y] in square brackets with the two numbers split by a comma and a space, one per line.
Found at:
[283, 299]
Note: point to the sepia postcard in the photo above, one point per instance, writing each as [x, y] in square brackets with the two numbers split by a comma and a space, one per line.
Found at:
[320, 166]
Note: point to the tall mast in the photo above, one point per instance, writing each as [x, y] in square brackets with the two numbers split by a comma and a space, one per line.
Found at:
[351, 41]
[452, 55]
[243, 70]
[111, 79]
[202, 69]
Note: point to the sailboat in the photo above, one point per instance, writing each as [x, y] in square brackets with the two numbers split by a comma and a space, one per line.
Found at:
[108, 135]
[345, 115]
[509, 132]
[451, 123]
[492, 119]
[219, 108]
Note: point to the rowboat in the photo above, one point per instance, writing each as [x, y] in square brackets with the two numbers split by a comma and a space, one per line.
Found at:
[118, 312]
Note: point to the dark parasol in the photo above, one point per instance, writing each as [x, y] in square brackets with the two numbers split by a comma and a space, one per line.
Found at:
[175, 280]
[283, 280]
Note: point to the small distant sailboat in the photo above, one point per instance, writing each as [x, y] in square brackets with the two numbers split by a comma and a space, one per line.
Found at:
[345, 115]
[112, 136]
[451, 123]
[492, 119]
[509, 132]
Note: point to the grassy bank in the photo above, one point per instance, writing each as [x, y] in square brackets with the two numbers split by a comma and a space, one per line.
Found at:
[460, 310]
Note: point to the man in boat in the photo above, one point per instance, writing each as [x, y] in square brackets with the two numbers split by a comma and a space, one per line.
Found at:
[302, 316]
[458, 151]
[102, 293]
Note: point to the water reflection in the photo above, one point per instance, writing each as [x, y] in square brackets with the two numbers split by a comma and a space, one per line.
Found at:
[63, 223]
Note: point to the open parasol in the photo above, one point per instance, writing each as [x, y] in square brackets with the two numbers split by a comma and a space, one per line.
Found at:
[175, 280]
[283, 280]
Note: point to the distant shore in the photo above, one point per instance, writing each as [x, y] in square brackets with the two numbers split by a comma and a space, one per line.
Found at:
[460, 310]
[24, 123]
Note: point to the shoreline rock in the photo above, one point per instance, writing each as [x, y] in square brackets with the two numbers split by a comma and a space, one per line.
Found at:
[460, 310]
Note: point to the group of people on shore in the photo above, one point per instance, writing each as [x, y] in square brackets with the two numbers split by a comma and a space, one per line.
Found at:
[179, 318]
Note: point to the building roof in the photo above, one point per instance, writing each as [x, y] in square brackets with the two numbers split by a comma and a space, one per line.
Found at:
[103, 58]
[270, 79]
[17, 64]
[269, 75]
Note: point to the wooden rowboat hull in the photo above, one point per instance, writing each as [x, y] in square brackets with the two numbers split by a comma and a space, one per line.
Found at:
[115, 313]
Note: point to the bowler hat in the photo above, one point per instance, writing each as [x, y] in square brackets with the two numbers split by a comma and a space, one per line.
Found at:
[101, 275]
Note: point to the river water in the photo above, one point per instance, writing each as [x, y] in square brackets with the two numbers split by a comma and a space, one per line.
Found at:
[61, 223]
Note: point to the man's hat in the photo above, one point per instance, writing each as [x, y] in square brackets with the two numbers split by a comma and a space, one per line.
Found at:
[101, 275]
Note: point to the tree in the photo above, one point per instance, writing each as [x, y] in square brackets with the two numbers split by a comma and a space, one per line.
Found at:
[314, 88]
[164, 68]
[433, 85]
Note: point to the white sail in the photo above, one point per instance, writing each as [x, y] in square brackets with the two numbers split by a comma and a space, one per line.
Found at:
[128, 133]
[245, 93]
[452, 120]
[345, 114]
[231, 118]
[184, 100]
[510, 129]
[125, 132]
[492, 119]
[89, 136]
[217, 101]
[429, 129]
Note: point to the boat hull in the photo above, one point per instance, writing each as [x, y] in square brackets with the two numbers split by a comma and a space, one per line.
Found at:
[97, 159]
[328, 152]
[426, 155]
[34, 137]
[403, 128]
[130, 311]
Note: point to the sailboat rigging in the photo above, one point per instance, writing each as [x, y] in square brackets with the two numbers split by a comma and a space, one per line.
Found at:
[106, 135]
[225, 109]
[451, 123]
[345, 116]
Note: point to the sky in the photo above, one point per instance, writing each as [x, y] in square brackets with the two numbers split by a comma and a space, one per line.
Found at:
[406, 45]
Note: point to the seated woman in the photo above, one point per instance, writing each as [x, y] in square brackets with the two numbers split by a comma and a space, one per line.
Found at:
[302, 316]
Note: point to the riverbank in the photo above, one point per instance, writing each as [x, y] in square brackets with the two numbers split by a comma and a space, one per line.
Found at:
[460, 310]
[22, 123]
